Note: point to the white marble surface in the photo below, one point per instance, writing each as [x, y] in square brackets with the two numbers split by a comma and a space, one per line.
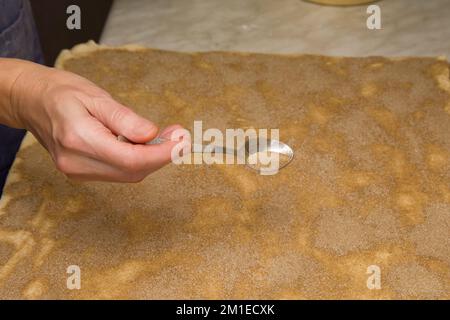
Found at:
[410, 27]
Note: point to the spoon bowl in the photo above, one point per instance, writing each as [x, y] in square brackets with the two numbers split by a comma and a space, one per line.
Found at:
[255, 150]
[281, 152]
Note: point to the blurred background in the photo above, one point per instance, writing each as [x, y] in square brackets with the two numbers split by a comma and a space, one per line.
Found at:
[409, 27]
[50, 17]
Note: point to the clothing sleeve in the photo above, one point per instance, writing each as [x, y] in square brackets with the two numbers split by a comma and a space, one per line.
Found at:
[18, 39]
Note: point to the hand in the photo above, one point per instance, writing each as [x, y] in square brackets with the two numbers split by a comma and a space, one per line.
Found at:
[78, 123]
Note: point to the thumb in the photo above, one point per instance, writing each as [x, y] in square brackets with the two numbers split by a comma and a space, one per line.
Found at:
[166, 133]
[124, 121]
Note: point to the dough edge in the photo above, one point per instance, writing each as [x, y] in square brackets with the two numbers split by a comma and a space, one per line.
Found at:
[90, 46]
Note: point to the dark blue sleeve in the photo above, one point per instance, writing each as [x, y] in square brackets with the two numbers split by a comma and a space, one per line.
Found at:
[18, 39]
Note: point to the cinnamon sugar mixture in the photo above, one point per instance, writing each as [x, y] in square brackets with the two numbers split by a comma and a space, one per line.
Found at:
[369, 185]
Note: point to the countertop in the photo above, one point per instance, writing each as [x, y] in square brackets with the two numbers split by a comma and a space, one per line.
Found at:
[409, 27]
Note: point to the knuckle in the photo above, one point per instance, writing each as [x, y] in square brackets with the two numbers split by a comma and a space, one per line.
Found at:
[70, 140]
[135, 178]
[100, 99]
[132, 169]
[129, 163]
[63, 164]
[121, 113]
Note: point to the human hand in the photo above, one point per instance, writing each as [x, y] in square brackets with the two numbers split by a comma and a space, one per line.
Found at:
[78, 123]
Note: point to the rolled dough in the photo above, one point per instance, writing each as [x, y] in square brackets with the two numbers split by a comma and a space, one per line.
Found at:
[369, 185]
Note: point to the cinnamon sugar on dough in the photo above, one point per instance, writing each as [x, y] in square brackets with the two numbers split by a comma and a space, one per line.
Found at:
[369, 185]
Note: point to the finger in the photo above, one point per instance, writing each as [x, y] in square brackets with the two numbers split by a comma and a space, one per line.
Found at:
[99, 143]
[82, 168]
[122, 120]
[174, 135]
[182, 136]
[166, 133]
[158, 155]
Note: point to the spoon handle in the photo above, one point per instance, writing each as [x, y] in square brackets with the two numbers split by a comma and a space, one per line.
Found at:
[196, 148]
[157, 140]
[199, 148]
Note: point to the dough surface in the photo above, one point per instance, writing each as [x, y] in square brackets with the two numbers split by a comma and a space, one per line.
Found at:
[369, 185]
[341, 2]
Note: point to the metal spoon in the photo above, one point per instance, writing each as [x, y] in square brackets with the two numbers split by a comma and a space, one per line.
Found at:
[252, 150]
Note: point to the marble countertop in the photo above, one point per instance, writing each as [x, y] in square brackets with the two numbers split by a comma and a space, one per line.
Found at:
[409, 27]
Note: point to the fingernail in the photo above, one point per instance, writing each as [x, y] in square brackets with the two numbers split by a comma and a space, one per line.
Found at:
[143, 130]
